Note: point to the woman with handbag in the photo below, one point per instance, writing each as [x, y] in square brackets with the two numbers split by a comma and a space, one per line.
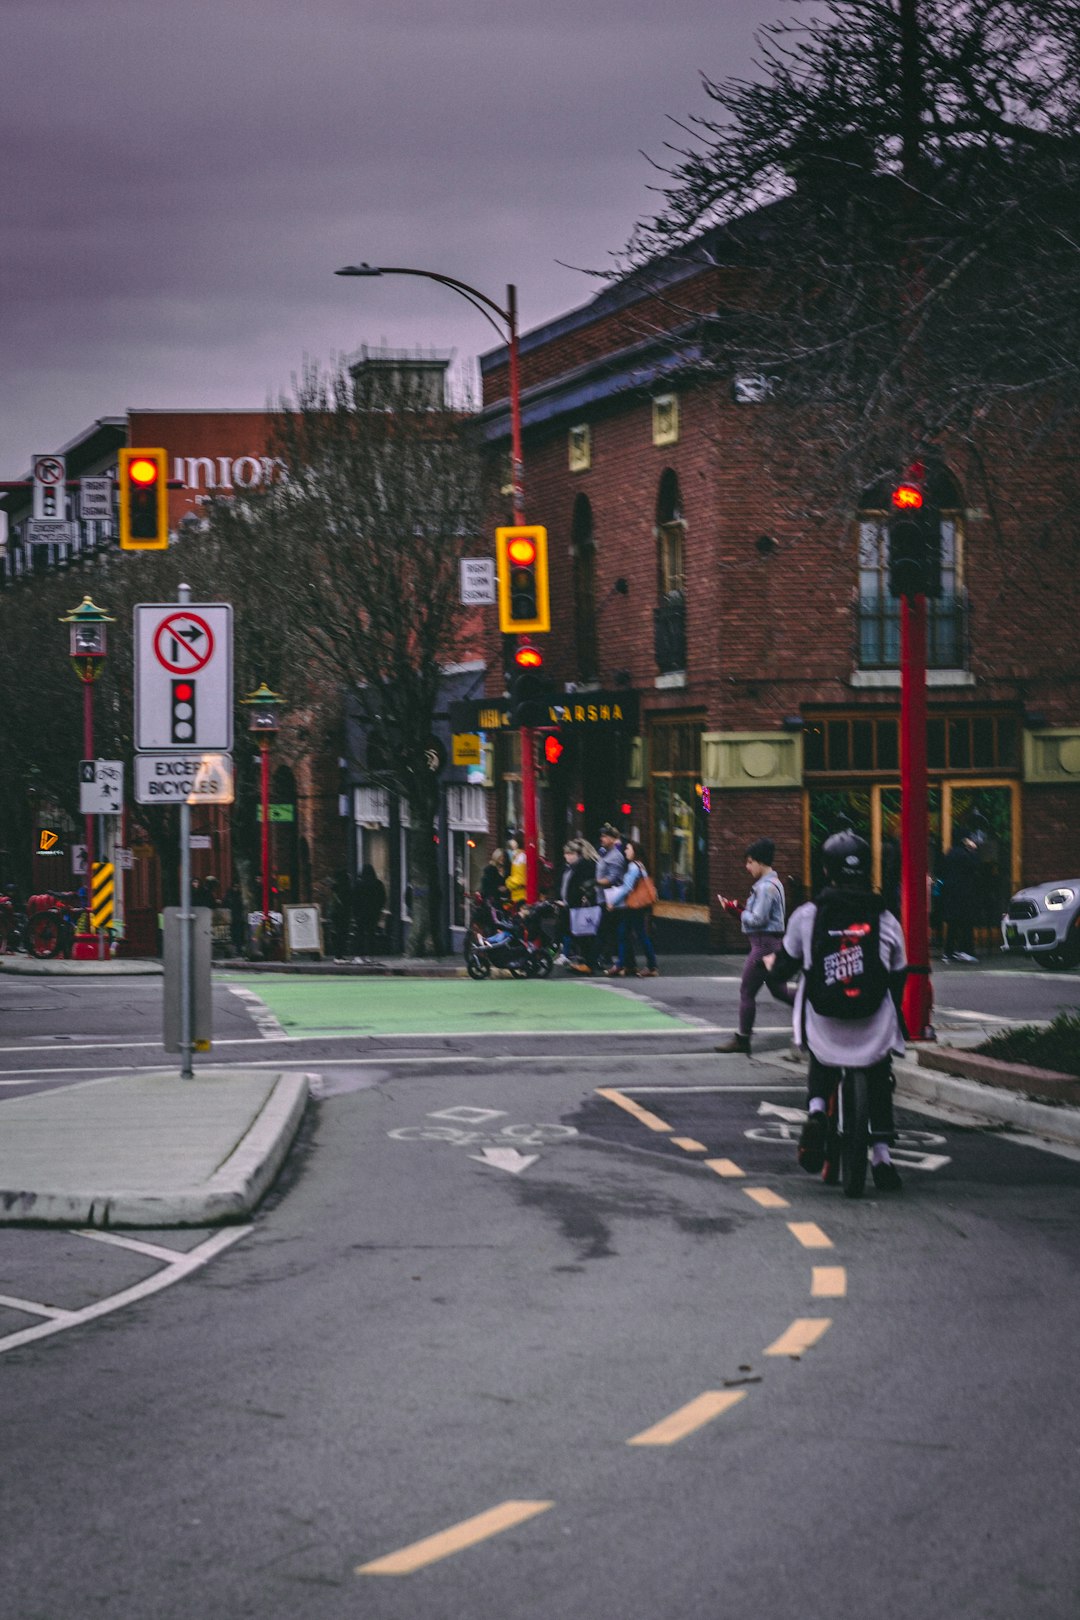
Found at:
[583, 910]
[633, 901]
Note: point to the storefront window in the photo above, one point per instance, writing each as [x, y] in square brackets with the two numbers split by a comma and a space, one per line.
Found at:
[679, 824]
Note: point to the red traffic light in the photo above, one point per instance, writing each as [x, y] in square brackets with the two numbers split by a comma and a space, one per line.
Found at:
[907, 497]
[143, 471]
[528, 658]
[522, 550]
[553, 750]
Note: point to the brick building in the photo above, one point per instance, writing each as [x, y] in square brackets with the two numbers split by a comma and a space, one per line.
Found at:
[703, 571]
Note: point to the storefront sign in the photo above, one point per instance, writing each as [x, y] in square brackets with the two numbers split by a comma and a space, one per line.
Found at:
[466, 748]
[579, 710]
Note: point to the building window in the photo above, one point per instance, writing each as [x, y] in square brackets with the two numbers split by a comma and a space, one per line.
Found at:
[665, 419]
[670, 614]
[679, 826]
[879, 610]
[583, 552]
[869, 744]
[580, 448]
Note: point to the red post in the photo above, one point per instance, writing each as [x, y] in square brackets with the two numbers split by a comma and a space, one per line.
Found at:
[914, 818]
[517, 481]
[264, 750]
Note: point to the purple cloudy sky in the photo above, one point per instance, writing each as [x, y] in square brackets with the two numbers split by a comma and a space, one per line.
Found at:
[182, 177]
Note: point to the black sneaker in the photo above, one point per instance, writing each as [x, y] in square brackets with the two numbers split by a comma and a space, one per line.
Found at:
[886, 1177]
[812, 1142]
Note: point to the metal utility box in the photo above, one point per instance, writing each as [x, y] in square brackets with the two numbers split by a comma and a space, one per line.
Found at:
[200, 978]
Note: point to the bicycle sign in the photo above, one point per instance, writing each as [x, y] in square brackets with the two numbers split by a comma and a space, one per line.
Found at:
[911, 1148]
[461, 1130]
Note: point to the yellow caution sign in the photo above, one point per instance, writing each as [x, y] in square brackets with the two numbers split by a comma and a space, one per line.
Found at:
[466, 748]
[102, 889]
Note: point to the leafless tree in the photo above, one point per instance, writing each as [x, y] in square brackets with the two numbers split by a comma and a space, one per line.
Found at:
[349, 565]
[895, 198]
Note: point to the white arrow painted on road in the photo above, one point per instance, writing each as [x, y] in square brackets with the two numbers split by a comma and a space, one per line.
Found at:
[506, 1159]
[794, 1116]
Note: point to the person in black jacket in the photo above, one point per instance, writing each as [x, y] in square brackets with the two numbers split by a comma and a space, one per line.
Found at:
[368, 902]
[960, 884]
[578, 891]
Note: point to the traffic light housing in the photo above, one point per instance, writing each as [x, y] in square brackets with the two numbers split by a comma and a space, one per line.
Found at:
[914, 541]
[182, 711]
[522, 567]
[531, 692]
[144, 500]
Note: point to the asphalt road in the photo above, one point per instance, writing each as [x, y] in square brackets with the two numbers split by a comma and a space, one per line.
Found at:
[493, 1299]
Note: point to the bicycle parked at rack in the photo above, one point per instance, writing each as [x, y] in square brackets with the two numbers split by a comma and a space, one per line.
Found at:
[50, 923]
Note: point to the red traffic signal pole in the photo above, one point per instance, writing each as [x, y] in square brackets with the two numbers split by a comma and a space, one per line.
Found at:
[528, 735]
[914, 818]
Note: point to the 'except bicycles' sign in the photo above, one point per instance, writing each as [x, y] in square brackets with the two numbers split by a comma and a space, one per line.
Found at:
[184, 779]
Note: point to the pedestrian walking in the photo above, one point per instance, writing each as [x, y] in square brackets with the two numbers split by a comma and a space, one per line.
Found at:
[238, 923]
[632, 903]
[494, 894]
[763, 924]
[959, 900]
[610, 871]
[368, 903]
[583, 911]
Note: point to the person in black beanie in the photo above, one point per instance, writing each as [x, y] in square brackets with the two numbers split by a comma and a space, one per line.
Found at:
[763, 924]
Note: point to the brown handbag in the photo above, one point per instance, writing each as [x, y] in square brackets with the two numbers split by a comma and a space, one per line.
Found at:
[643, 893]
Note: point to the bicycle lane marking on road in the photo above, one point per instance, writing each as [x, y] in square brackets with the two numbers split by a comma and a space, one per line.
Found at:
[266, 1022]
[182, 1265]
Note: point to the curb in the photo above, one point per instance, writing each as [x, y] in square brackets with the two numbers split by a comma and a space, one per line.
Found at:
[57, 967]
[231, 1193]
[989, 1104]
[1044, 1085]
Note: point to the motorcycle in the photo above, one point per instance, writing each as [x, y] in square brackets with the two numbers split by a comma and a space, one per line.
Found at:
[522, 943]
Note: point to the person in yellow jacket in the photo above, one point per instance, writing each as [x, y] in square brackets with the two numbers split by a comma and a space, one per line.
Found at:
[515, 877]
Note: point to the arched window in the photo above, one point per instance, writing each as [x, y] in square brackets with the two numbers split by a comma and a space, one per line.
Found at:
[583, 551]
[879, 610]
[670, 616]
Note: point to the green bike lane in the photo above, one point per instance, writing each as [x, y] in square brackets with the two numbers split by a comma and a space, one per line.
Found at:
[307, 1007]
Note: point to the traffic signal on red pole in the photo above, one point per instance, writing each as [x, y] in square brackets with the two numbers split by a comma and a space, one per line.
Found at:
[144, 500]
[522, 567]
[531, 692]
[914, 525]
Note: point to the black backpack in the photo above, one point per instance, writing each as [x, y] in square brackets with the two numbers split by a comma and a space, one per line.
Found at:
[847, 978]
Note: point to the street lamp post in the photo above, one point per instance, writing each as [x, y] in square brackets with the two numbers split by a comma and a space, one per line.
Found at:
[87, 644]
[263, 726]
[493, 313]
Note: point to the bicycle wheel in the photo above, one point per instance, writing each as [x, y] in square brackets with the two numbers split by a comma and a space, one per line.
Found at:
[477, 967]
[45, 935]
[855, 1140]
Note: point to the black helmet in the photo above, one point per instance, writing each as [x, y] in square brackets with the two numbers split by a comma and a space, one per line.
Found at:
[846, 858]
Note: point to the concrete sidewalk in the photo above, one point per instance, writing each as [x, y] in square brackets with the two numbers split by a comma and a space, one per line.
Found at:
[147, 1149]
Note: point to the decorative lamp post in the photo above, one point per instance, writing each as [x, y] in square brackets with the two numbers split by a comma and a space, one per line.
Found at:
[263, 726]
[87, 650]
[505, 322]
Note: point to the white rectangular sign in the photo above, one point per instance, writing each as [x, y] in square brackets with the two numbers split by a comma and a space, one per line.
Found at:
[183, 677]
[50, 488]
[96, 499]
[183, 778]
[477, 581]
[101, 787]
[43, 531]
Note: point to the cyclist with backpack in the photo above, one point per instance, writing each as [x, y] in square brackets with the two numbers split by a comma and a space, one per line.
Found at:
[850, 950]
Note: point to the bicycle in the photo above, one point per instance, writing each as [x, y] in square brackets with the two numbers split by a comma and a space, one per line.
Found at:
[847, 1140]
[50, 929]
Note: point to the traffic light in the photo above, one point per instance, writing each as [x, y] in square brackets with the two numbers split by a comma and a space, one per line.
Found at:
[522, 566]
[914, 541]
[553, 749]
[144, 500]
[531, 692]
[182, 712]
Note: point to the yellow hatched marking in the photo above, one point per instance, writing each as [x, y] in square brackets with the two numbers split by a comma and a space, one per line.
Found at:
[688, 1144]
[653, 1121]
[724, 1167]
[694, 1415]
[804, 1332]
[809, 1234]
[830, 1282]
[458, 1537]
[766, 1198]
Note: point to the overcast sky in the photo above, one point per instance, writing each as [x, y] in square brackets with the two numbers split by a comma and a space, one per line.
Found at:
[182, 177]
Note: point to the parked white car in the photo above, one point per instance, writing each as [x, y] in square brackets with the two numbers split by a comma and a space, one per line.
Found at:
[1043, 922]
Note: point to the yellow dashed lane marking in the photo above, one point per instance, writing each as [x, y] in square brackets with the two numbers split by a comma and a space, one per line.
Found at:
[829, 1282]
[688, 1144]
[766, 1198]
[458, 1537]
[804, 1332]
[653, 1121]
[724, 1167]
[809, 1234]
[694, 1415]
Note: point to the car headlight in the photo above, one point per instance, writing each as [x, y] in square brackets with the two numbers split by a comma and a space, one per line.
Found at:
[1058, 899]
